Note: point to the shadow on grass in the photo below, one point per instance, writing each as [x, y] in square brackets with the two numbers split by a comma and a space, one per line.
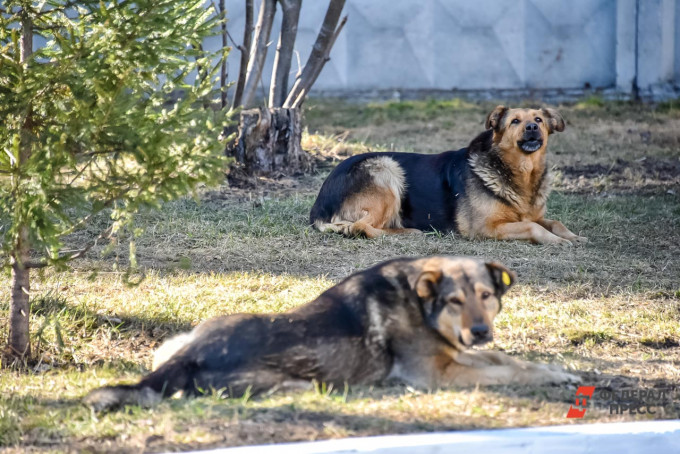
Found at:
[233, 422]
[555, 393]
[50, 306]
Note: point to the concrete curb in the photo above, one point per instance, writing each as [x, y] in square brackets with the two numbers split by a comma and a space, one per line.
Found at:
[615, 438]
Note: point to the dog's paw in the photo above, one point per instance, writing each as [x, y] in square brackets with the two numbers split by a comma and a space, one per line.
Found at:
[560, 376]
[552, 374]
[579, 239]
[561, 242]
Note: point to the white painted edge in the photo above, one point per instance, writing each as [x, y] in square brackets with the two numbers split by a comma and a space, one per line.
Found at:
[656, 437]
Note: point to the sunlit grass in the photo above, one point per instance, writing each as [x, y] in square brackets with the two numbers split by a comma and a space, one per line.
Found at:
[609, 309]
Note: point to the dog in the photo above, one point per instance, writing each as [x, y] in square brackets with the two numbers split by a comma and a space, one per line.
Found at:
[412, 320]
[497, 187]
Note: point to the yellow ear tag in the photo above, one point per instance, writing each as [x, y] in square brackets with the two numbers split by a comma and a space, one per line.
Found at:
[506, 278]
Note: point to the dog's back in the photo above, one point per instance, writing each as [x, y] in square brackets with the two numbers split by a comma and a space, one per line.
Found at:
[328, 340]
[409, 319]
[429, 188]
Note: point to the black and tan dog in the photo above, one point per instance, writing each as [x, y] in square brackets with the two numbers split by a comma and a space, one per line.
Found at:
[497, 187]
[411, 320]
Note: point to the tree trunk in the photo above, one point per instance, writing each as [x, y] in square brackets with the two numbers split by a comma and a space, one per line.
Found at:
[269, 142]
[223, 65]
[284, 52]
[245, 54]
[258, 51]
[317, 67]
[19, 309]
[318, 56]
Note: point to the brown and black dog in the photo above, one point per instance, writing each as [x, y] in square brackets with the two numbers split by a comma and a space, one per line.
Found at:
[411, 319]
[497, 187]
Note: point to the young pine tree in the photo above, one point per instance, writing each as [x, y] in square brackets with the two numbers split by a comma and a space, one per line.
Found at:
[107, 116]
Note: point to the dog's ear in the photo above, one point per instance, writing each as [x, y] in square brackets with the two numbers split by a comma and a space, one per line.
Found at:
[554, 120]
[426, 285]
[502, 277]
[495, 119]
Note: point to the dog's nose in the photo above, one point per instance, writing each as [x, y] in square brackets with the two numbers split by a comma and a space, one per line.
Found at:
[531, 127]
[480, 331]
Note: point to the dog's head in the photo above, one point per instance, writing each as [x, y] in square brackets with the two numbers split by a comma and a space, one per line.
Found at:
[523, 130]
[460, 297]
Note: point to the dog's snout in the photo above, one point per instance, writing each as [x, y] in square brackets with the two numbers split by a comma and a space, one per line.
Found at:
[480, 331]
[531, 127]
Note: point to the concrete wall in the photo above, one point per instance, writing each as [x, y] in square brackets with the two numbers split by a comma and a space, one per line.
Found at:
[491, 45]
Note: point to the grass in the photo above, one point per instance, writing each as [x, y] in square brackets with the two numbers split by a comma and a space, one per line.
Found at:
[610, 309]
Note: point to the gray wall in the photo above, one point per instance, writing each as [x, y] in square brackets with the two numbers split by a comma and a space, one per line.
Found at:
[491, 45]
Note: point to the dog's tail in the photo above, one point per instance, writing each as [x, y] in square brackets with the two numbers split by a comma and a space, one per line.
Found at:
[171, 376]
[112, 397]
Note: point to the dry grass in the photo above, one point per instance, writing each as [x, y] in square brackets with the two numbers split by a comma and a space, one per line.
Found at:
[597, 132]
[610, 309]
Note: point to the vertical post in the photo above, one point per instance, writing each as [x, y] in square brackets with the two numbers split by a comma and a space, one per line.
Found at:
[626, 45]
[656, 46]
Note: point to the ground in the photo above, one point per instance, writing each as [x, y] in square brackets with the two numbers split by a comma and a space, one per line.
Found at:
[610, 310]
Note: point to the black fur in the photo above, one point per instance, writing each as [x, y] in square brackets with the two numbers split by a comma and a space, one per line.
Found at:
[347, 179]
[353, 333]
[433, 184]
[325, 340]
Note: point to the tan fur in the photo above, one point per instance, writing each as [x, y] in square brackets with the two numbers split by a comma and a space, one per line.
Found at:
[524, 220]
[411, 319]
[453, 364]
[374, 211]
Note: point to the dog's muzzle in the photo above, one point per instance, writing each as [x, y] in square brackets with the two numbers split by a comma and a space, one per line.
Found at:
[480, 335]
[532, 140]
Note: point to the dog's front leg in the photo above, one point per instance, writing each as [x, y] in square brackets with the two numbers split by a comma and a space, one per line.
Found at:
[560, 230]
[526, 230]
[494, 368]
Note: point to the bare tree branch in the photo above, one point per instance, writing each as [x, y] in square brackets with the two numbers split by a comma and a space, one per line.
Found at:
[319, 52]
[245, 54]
[236, 45]
[319, 66]
[258, 51]
[223, 65]
[284, 51]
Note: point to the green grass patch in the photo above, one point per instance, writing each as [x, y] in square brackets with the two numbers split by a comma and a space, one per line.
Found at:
[609, 309]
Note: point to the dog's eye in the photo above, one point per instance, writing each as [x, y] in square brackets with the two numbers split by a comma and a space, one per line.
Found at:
[485, 295]
[515, 121]
[455, 301]
[538, 120]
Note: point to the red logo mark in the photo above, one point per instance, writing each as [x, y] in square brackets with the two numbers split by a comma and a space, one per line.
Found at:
[583, 394]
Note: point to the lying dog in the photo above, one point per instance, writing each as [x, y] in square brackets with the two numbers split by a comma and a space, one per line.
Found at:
[412, 320]
[497, 187]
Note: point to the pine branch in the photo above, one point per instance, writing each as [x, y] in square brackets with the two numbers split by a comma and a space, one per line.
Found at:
[42, 263]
